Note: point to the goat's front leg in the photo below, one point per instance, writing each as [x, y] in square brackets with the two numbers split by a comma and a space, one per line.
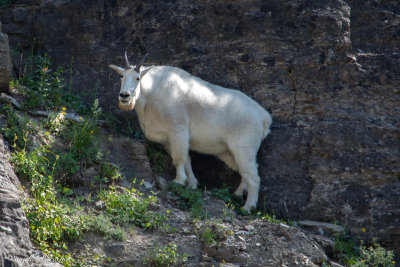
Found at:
[179, 149]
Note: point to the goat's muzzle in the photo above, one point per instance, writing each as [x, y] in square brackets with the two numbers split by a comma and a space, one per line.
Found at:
[126, 102]
[124, 97]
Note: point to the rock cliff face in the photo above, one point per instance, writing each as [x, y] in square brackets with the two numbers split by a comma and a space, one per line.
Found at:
[328, 71]
[15, 248]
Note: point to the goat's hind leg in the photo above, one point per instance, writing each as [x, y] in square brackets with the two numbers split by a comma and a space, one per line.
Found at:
[246, 161]
[228, 159]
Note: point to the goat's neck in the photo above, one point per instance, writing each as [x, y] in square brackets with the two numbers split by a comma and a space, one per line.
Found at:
[140, 107]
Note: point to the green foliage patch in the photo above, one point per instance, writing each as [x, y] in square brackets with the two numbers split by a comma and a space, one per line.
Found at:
[5, 3]
[189, 199]
[351, 254]
[55, 213]
[130, 206]
[161, 256]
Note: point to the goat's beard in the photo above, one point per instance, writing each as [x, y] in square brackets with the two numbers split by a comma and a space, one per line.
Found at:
[127, 107]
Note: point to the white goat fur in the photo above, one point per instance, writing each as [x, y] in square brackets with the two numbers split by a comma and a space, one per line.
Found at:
[183, 112]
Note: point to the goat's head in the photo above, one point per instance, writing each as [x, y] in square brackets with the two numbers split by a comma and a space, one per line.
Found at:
[130, 82]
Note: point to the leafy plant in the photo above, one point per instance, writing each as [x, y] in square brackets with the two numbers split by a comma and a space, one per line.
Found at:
[130, 206]
[111, 171]
[103, 225]
[272, 218]
[53, 209]
[17, 127]
[67, 164]
[347, 251]
[233, 201]
[33, 166]
[350, 254]
[212, 233]
[222, 193]
[43, 87]
[83, 139]
[5, 3]
[375, 255]
[162, 256]
[208, 237]
[56, 121]
[189, 199]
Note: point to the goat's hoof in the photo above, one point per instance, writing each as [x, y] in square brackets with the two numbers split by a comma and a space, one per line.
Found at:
[193, 183]
[238, 193]
[178, 181]
[249, 208]
[192, 186]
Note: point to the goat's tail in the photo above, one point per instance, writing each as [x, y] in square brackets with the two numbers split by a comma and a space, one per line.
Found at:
[267, 124]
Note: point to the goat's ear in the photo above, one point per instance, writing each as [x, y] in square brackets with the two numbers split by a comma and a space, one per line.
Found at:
[144, 71]
[119, 70]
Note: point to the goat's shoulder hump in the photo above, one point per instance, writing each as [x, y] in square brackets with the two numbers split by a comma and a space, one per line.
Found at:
[169, 69]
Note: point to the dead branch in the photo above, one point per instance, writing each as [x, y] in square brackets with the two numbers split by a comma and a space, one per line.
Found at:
[4, 98]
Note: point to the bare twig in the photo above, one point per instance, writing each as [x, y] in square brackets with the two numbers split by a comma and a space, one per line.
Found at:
[4, 98]
[68, 116]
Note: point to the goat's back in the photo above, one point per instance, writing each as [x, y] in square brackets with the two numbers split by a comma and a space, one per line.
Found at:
[211, 112]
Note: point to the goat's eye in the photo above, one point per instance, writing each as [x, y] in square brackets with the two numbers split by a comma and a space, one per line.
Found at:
[137, 79]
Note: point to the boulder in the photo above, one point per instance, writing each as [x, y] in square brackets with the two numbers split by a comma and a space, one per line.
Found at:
[5, 63]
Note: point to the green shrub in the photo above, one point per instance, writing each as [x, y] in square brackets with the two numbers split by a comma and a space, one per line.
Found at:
[375, 255]
[43, 87]
[130, 206]
[17, 128]
[189, 199]
[347, 251]
[208, 237]
[67, 164]
[111, 171]
[54, 212]
[212, 233]
[102, 224]
[162, 256]
[83, 139]
[56, 122]
[350, 254]
[233, 201]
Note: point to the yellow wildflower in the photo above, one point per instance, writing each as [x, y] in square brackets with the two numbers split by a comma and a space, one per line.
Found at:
[62, 112]
[80, 118]
[47, 133]
[64, 109]
[363, 230]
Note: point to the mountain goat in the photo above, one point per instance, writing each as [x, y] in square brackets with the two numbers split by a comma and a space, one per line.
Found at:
[182, 112]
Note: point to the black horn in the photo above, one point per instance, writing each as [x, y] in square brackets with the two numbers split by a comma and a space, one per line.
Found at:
[127, 61]
[137, 67]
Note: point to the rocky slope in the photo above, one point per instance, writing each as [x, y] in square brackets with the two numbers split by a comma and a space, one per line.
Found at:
[16, 248]
[327, 71]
